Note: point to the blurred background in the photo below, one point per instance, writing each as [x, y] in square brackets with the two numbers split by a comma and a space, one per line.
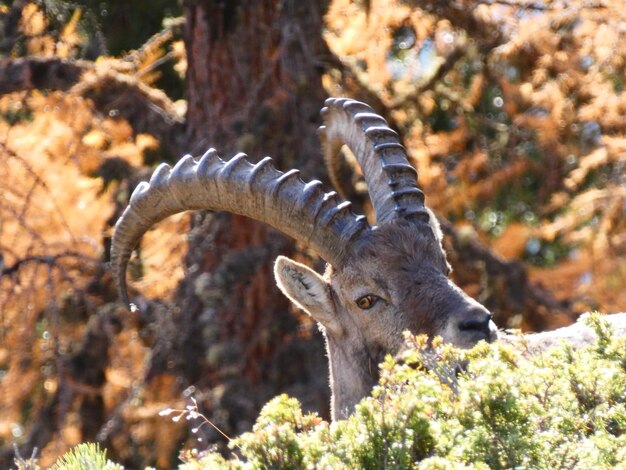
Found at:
[513, 112]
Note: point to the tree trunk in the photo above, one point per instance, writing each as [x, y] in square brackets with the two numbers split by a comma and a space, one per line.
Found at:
[253, 85]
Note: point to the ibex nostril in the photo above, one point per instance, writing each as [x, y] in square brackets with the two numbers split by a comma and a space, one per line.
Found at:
[477, 322]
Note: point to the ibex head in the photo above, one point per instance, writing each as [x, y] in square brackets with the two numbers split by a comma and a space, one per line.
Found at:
[380, 280]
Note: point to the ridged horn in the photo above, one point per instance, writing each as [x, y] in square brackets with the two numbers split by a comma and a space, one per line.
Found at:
[259, 191]
[391, 180]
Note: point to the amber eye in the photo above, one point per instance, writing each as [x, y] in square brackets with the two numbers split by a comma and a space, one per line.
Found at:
[367, 301]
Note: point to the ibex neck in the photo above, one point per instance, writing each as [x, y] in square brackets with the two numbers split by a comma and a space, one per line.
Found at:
[353, 374]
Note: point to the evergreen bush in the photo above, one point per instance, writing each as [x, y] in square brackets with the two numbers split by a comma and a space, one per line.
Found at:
[492, 407]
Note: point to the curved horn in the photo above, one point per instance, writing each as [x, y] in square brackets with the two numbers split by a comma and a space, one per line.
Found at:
[391, 180]
[301, 210]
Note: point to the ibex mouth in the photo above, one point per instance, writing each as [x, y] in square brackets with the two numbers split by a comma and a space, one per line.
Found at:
[491, 334]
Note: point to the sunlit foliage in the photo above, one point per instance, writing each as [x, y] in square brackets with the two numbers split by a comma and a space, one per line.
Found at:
[514, 115]
[65, 170]
[561, 409]
[85, 456]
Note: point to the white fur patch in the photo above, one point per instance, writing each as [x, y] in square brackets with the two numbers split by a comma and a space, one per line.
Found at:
[434, 224]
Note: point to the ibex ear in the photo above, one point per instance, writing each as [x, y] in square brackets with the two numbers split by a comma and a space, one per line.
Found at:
[308, 290]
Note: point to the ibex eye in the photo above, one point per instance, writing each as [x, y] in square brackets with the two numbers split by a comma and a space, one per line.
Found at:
[367, 301]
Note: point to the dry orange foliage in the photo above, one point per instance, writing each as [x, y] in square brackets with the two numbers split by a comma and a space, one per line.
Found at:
[549, 93]
[54, 215]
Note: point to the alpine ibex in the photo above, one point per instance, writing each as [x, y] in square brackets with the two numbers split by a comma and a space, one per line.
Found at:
[379, 280]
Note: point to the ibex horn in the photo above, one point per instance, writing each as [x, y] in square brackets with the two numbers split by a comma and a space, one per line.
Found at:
[391, 180]
[282, 200]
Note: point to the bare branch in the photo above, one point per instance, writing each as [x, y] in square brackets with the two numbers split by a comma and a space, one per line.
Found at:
[37, 73]
[48, 260]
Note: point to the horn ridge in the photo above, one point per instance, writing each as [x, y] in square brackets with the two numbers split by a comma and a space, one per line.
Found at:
[382, 158]
[282, 200]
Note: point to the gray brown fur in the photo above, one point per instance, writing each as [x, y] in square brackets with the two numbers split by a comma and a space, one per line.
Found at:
[577, 335]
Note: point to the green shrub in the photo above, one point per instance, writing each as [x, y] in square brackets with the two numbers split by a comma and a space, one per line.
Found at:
[86, 456]
[562, 409]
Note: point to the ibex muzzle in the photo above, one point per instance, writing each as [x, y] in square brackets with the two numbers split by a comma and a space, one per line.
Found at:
[380, 280]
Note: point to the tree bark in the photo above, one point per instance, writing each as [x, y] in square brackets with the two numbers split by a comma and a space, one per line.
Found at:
[253, 85]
